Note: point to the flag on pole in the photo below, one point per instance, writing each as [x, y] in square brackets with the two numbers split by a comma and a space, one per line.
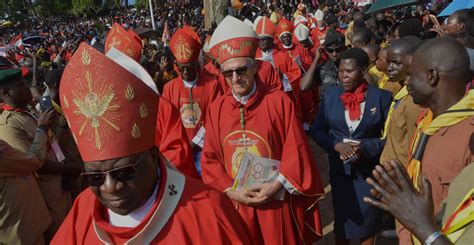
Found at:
[16, 39]
[166, 34]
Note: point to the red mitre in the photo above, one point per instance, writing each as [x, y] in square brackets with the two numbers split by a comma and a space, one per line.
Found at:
[185, 45]
[128, 42]
[265, 28]
[284, 26]
[110, 111]
[233, 38]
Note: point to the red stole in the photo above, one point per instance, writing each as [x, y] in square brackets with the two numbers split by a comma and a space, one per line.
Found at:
[352, 100]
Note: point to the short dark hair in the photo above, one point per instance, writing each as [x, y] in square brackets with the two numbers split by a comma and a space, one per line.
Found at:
[408, 44]
[466, 16]
[411, 27]
[361, 57]
[365, 34]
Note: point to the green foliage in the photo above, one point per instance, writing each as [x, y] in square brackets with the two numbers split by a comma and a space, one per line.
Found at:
[86, 7]
[141, 4]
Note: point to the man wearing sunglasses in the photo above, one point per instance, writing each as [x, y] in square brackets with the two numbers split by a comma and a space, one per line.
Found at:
[254, 120]
[135, 195]
[324, 70]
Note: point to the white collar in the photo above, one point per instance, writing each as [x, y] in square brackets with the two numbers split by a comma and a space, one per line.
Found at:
[190, 84]
[244, 99]
[288, 47]
[134, 218]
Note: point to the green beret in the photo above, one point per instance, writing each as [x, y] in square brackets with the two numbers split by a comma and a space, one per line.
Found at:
[10, 77]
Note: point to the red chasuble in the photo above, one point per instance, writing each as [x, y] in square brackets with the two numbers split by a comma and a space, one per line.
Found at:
[211, 69]
[172, 141]
[283, 63]
[185, 212]
[192, 112]
[272, 130]
[265, 73]
[298, 51]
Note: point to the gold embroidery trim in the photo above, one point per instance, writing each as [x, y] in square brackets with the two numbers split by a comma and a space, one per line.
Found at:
[86, 59]
[129, 93]
[143, 111]
[92, 104]
[136, 131]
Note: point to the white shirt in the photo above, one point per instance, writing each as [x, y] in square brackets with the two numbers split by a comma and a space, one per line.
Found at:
[267, 56]
[352, 125]
[244, 99]
[190, 84]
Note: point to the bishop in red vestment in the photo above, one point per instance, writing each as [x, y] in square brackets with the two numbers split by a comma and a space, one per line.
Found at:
[135, 196]
[298, 53]
[281, 61]
[193, 91]
[252, 119]
[170, 132]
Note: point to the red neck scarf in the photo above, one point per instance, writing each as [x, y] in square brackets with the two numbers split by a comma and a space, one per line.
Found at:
[6, 107]
[352, 100]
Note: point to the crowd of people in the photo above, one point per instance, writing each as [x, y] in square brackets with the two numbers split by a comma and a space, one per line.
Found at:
[114, 132]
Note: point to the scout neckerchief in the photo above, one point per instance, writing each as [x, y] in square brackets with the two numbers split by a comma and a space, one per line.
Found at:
[374, 71]
[429, 126]
[382, 81]
[458, 221]
[396, 100]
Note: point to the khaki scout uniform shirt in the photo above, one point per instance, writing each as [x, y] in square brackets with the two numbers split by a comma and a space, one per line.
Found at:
[18, 130]
[446, 154]
[393, 87]
[458, 189]
[24, 216]
[401, 130]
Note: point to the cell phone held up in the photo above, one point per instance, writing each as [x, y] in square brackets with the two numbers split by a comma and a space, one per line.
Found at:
[45, 103]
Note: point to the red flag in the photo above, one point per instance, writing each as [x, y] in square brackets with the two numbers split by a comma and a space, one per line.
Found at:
[16, 39]
[166, 33]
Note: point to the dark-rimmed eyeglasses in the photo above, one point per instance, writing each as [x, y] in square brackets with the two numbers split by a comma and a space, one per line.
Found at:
[122, 174]
[240, 72]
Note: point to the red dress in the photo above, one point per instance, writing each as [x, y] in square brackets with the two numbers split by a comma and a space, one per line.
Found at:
[272, 131]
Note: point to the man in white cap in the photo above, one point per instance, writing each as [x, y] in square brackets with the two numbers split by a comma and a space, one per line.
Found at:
[302, 34]
[256, 121]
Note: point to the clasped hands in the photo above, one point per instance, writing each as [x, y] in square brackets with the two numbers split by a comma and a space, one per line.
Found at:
[347, 149]
[256, 195]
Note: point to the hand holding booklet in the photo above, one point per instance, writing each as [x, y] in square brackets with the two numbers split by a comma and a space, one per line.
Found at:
[257, 170]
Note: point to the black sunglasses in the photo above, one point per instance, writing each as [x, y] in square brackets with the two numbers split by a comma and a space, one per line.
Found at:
[122, 174]
[240, 72]
[332, 50]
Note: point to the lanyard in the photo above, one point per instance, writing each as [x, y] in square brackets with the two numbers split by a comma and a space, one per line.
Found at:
[191, 98]
[242, 125]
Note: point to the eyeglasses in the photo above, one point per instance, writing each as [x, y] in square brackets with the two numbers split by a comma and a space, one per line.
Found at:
[240, 72]
[122, 174]
[332, 50]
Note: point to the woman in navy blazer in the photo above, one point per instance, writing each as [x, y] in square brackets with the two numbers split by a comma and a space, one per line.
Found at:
[349, 128]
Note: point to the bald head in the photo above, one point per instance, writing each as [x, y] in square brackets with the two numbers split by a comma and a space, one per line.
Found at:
[446, 55]
[438, 74]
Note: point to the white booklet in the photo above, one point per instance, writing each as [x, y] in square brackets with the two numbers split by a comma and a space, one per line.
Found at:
[257, 170]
